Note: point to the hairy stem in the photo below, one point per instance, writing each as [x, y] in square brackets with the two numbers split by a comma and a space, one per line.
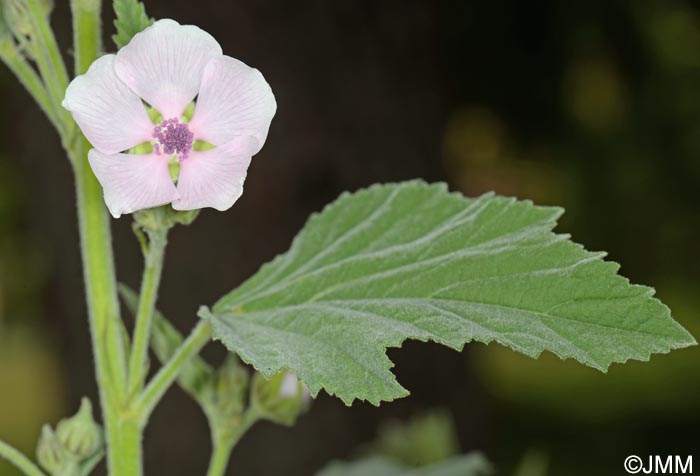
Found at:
[20, 461]
[153, 268]
[123, 429]
[220, 455]
[87, 32]
[48, 58]
[103, 313]
[167, 374]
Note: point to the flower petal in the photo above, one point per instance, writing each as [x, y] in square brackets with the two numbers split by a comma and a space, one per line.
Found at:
[234, 100]
[133, 182]
[111, 115]
[214, 178]
[164, 64]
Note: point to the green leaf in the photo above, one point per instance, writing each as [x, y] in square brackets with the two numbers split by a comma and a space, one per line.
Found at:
[468, 465]
[131, 19]
[412, 260]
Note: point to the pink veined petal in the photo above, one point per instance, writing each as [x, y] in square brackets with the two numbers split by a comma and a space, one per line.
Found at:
[214, 178]
[133, 182]
[234, 100]
[164, 64]
[111, 115]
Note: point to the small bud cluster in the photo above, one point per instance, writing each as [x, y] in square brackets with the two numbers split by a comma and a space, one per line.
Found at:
[231, 383]
[73, 444]
[281, 398]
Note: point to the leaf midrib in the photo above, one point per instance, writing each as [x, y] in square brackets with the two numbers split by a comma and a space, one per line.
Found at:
[423, 301]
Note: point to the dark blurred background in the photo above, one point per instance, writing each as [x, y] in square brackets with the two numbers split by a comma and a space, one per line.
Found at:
[591, 105]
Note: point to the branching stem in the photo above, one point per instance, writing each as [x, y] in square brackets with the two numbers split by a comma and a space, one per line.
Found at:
[153, 268]
[223, 442]
[19, 460]
[167, 374]
[17, 63]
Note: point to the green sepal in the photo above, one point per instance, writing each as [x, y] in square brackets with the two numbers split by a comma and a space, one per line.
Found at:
[50, 453]
[142, 149]
[201, 146]
[80, 435]
[188, 113]
[158, 220]
[154, 115]
[231, 384]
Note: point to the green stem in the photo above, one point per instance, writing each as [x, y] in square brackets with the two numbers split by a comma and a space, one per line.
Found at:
[100, 283]
[220, 456]
[124, 434]
[123, 441]
[87, 32]
[167, 374]
[155, 253]
[20, 461]
[49, 60]
[223, 442]
[26, 75]
[123, 428]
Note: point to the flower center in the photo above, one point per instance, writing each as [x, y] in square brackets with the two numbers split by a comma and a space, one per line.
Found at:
[173, 138]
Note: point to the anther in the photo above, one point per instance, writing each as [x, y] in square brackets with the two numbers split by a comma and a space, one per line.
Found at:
[173, 138]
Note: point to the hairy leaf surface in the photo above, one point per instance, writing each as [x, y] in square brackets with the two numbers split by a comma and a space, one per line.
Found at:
[413, 261]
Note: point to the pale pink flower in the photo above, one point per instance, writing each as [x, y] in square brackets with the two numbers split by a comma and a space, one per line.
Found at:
[167, 66]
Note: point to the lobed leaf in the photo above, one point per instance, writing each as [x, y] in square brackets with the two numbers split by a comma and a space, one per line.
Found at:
[413, 261]
[131, 19]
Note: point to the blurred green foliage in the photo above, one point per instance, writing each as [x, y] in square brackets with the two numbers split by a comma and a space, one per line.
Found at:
[424, 439]
[424, 445]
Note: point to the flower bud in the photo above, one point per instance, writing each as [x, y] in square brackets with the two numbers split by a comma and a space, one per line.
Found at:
[50, 452]
[231, 387]
[80, 435]
[280, 399]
